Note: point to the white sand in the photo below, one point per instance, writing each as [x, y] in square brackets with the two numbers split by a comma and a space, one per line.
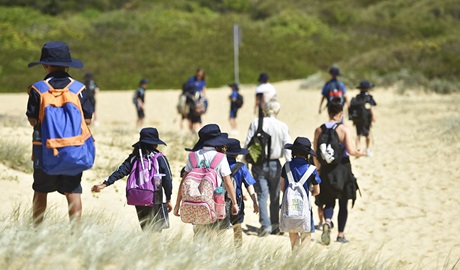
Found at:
[409, 209]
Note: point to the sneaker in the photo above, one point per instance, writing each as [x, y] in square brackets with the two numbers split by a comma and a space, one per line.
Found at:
[319, 227]
[369, 153]
[342, 239]
[276, 232]
[264, 233]
[326, 235]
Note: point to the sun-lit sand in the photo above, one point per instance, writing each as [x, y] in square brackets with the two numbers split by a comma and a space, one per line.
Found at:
[409, 207]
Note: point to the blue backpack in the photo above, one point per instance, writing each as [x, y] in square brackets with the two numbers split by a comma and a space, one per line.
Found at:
[67, 146]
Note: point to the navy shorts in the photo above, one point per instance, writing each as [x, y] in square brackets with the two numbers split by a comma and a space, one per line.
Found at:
[233, 112]
[140, 113]
[363, 129]
[61, 183]
[239, 218]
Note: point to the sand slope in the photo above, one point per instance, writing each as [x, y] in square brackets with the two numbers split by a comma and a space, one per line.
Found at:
[409, 205]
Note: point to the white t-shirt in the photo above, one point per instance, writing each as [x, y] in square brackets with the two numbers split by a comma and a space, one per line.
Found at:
[268, 91]
[207, 154]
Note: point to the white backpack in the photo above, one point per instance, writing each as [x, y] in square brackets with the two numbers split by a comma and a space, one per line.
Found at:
[295, 207]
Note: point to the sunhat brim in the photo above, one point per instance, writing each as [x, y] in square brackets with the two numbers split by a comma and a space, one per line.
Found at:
[242, 151]
[303, 149]
[75, 63]
[149, 141]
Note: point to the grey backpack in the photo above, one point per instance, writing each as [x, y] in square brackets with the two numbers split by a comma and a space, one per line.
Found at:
[295, 207]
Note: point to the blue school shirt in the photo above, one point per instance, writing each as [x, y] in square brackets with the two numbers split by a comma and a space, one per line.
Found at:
[242, 176]
[199, 84]
[298, 168]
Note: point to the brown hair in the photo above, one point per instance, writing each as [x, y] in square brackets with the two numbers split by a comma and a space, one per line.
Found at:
[334, 107]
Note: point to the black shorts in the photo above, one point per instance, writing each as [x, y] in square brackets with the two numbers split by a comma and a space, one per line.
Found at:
[140, 113]
[363, 129]
[92, 100]
[61, 183]
[239, 218]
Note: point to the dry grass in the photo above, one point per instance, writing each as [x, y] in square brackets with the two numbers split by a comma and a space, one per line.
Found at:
[103, 243]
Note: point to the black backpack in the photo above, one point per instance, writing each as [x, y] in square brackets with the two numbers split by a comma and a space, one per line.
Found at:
[239, 101]
[360, 109]
[329, 147]
[260, 144]
[235, 169]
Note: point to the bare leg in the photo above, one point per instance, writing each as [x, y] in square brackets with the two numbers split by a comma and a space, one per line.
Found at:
[294, 237]
[320, 215]
[358, 142]
[305, 240]
[39, 207]
[238, 235]
[233, 124]
[368, 141]
[75, 206]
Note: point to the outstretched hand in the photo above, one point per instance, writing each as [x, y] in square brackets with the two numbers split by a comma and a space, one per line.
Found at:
[98, 188]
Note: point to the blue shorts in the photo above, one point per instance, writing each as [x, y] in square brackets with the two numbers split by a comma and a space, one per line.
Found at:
[233, 112]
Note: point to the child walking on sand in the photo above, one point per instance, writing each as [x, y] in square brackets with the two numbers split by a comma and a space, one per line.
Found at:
[206, 169]
[152, 215]
[240, 174]
[236, 102]
[301, 172]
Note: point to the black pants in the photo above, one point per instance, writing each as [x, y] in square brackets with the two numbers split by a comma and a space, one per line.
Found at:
[153, 218]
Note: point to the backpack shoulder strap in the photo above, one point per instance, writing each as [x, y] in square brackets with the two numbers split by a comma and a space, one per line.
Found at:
[236, 168]
[290, 177]
[306, 175]
[42, 87]
[216, 160]
[193, 159]
[75, 86]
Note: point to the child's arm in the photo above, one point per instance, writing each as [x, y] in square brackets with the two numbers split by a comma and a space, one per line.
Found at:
[179, 197]
[166, 181]
[251, 192]
[123, 170]
[228, 185]
[373, 114]
[315, 190]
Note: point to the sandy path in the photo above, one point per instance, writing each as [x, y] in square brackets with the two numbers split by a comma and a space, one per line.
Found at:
[409, 208]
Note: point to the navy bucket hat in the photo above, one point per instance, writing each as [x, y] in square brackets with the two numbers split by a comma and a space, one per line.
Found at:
[57, 53]
[263, 77]
[365, 85]
[335, 71]
[149, 136]
[210, 135]
[234, 148]
[234, 85]
[302, 145]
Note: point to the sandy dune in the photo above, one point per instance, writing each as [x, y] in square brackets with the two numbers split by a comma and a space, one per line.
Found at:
[409, 206]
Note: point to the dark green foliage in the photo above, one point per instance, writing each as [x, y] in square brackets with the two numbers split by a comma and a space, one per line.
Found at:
[122, 41]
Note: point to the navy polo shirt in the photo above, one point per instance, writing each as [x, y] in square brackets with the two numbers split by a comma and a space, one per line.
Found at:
[242, 176]
[58, 80]
[298, 168]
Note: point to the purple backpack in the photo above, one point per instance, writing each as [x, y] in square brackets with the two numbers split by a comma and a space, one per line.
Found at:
[143, 186]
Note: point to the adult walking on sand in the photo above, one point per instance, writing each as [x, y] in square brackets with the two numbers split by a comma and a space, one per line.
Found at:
[265, 92]
[337, 180]
[268, 173]
[56, 61]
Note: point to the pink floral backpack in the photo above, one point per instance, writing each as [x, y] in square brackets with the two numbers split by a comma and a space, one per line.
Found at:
[198, 206]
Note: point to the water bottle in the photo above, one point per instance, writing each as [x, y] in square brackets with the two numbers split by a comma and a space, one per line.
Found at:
[219, 199]
[158, 193]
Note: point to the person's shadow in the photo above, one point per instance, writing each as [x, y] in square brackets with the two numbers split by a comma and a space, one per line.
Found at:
[251, 230]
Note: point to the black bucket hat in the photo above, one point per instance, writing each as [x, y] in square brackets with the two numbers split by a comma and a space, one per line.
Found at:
[335, 71]
[57, 53]
[263, 77]
[234, 85]
[234, 148]
[210, 135]
[302, 145]
[149, 136]
[365, 85]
